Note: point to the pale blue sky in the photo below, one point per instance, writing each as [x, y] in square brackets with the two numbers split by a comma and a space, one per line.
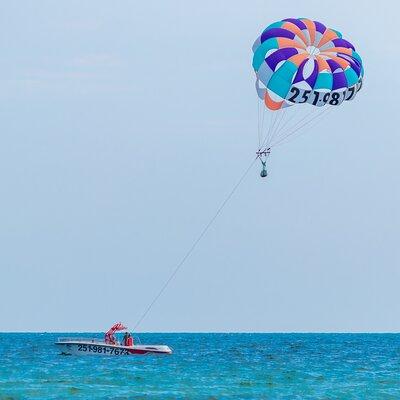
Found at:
[123, 126]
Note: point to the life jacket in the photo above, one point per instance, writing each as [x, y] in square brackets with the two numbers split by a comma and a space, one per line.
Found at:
[129, 341]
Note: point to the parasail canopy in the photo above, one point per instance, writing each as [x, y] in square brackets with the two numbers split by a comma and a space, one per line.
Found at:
[298, 60]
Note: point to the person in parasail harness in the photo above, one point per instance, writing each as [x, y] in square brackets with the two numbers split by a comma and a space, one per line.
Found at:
[263, 155]
[264, 172]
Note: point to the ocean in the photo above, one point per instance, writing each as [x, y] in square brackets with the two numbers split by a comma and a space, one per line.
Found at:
[207, 366]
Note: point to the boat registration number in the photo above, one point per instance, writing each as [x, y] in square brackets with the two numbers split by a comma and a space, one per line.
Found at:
[102, 350]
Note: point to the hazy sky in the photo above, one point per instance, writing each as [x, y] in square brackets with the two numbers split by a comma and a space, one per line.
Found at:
[124, 124]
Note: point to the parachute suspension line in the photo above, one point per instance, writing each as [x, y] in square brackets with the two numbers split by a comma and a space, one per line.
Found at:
[261, 118]
[286, 123]
[313, 122]
[296, 127]
[279, 133]
[282, 133]
[265, 130]
[268, 140]
[258, 122]
[276, 129]
[277, 116]
[263, 123]
[266, 127]
[270, 130]
[195, 243]
[281, 120]
[315, 119]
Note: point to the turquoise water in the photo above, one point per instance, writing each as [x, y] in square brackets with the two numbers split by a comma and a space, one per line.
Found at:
[208, 366]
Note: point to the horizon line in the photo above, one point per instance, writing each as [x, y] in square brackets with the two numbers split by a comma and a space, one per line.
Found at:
[217, 332]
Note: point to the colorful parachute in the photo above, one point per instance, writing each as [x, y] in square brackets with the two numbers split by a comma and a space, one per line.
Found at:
[302, 61]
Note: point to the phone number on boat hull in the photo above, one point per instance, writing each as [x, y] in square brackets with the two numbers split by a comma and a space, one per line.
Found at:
[102, 350]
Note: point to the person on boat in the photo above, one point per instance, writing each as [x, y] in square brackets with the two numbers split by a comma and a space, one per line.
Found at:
[128, 340]
[125, 339]
[109, 337]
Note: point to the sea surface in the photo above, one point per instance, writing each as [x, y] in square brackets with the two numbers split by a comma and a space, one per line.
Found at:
[207, 366]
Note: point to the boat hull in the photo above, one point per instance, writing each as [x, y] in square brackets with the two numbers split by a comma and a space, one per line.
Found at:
[95, 348]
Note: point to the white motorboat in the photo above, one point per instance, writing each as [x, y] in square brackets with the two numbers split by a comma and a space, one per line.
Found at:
[88, 346]
[109, 346]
